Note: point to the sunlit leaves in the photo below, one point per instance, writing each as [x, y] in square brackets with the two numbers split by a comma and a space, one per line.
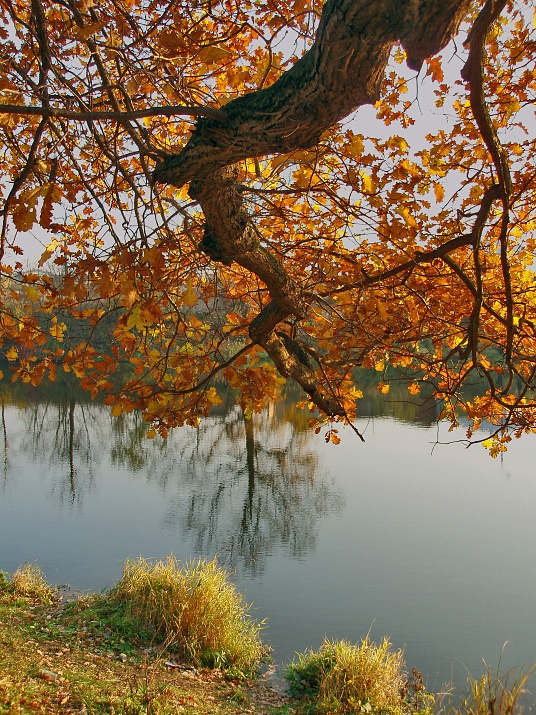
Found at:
[362, 223]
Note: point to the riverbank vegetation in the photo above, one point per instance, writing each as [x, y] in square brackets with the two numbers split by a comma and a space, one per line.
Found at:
[136, 650]
[100, 653]
[193, 609]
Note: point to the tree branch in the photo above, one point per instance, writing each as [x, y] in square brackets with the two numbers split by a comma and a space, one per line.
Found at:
[172, 111]
[342, 71]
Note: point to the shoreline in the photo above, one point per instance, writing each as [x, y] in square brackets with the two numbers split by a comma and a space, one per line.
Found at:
[48, 665]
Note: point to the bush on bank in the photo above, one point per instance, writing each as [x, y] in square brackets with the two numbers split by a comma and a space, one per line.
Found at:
[343, 677]
[27, 581]
[193, 609]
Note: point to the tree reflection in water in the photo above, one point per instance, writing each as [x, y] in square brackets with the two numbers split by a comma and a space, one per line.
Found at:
[249, 486]
[241, 487]
[61, 436]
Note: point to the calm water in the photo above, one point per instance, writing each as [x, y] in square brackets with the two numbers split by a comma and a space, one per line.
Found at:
[434, 548]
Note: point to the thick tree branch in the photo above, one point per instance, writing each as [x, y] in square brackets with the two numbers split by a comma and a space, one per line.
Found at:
[473, 73]
[341, 72]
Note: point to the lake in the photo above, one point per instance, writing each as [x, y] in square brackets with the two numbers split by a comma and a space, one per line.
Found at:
[430, 544]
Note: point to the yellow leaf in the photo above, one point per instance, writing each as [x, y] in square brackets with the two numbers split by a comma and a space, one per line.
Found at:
[116, 410]
[151, 433]
[384, 389]
[355, 146]
[414, 388]
[439, 192]
[78, 370]
[140, 317]
[47, 253]
[189, 297]
[397, 142]
[366, 182]
[12, 354]
[279, 161]
[213, 53]
[32, 293]
[406, 215]
[382, 309]
[58, 330]
[213, 397]
[84, 33]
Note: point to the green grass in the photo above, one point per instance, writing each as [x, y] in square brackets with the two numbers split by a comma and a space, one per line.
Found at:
[193, 609]
[92, 656]
[97, 650]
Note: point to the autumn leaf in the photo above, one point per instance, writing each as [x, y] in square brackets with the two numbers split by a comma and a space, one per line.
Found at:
[24, 217]
[435, 70]
[48, 253]
[189, 296]
[439, 192]
[53, 194]
[57, 331]
[32, 293]
[214, 53]
[84, 33]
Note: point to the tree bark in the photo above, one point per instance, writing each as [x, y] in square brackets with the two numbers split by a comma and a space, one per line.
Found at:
[342, 71]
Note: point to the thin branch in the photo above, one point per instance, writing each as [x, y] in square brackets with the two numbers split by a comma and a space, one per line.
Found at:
[171, 111]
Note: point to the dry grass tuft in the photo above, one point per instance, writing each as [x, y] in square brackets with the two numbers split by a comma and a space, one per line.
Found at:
[345, 678]
[495, 693]
[193, 609]
[28, 581]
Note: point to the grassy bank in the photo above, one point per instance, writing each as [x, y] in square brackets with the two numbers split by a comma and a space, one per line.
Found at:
[178, 639]
[104, 654]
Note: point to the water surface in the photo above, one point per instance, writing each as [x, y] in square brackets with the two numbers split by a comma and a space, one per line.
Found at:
[433, 547]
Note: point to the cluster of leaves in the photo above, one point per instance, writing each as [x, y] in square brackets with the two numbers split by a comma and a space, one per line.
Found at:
[411, 254]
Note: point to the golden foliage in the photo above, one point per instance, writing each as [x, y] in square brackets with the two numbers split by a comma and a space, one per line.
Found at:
[414, 254]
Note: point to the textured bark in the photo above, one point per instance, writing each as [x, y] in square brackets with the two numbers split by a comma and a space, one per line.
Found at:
[341, 72]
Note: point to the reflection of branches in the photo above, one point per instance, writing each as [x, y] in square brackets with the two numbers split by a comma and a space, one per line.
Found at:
[251, 494]
[242, 487]
[60, 435]
[4, 434]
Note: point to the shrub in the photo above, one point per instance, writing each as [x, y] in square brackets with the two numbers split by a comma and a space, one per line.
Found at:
[345, 678]
[28, 581]
[193, 609]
